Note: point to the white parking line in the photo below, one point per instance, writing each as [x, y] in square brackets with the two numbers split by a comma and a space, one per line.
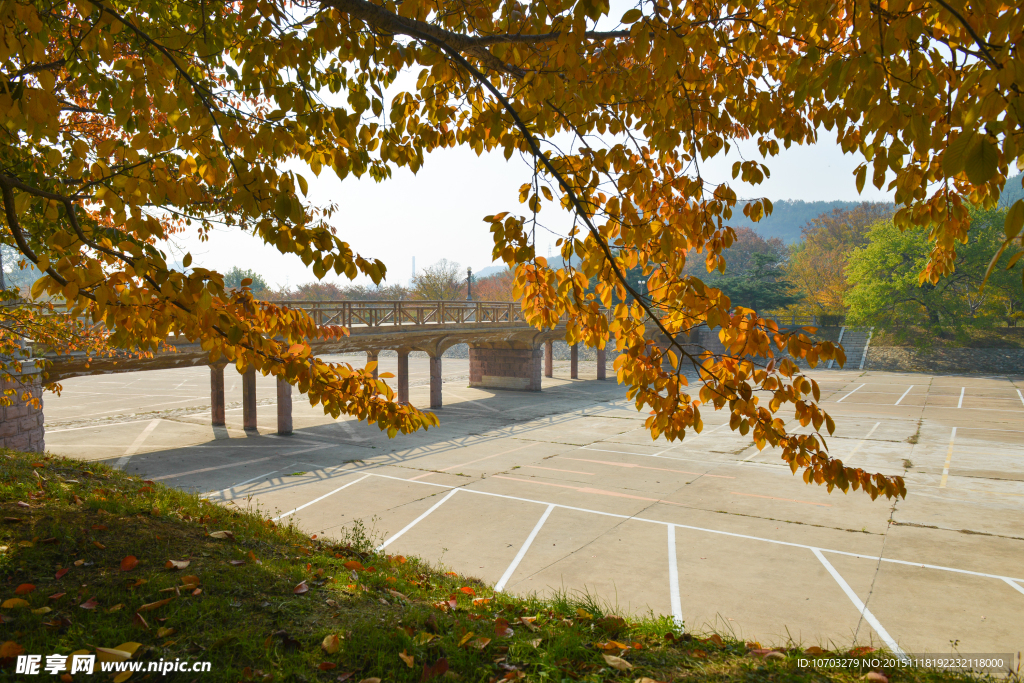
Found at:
[949, 457]
[851, 393]
[522, 551]
[673, 577]
[241, 483]
[137, 444]
[731, 534]
[866, 437]
[1014, 585]
[862, 608]
[1021, 396]
[904, 395]
[317, 500]
[347, 426]
[416, 521]
[960, 403]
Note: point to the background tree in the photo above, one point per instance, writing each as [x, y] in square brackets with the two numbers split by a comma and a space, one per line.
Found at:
[497, 287]
[761, 286]
[887, 292]
[818, 262]
[442, 281]
[120, 114]
[233, 280]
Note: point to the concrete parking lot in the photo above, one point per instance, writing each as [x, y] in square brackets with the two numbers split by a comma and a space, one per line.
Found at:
[565, 490]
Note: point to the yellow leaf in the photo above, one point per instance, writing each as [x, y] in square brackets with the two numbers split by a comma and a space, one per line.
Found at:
[409, 660]
[331, 644]
[14, 603]
[617, 663]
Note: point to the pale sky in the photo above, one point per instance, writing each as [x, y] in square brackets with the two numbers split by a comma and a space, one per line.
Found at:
[439, 212]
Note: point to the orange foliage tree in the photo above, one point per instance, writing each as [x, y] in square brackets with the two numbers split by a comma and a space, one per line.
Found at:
[212, 105]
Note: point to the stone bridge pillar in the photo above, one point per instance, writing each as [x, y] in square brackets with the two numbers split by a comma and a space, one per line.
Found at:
[21, 425]
[284, 407]
[217, 418]
[435, 381]
[371, 357]
[403, 375]
[574, 361]
[601, 360]
[249, 398]
[505, 365]
[549, 359]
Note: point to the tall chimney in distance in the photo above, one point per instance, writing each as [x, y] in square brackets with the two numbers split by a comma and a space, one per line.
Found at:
[412, 279]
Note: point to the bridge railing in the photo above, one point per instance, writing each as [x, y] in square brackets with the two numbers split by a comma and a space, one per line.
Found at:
[388, 313]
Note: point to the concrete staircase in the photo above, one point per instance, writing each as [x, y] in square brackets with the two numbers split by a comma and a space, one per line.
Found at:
[855, 342]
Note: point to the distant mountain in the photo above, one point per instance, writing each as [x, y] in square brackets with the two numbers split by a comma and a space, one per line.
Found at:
[1012, 192]
[788, 216]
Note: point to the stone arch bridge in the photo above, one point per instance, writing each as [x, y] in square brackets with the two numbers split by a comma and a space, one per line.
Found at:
[505, 352]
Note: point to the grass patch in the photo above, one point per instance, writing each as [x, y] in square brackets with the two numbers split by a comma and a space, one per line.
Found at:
[93, 558]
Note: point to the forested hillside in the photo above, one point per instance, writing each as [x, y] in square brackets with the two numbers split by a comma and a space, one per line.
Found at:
[788, 216]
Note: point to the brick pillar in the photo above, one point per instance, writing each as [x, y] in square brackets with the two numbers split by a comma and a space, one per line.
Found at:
[21, 425]
[502, 367]
[435, 382]
[217, 395]
[371, 357]
[403, 376]
[284, 407]
[601, 357]
[249, 398]
[574, 361]
[549, 359]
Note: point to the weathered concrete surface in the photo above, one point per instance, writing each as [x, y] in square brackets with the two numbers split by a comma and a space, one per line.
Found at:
[900, 359]
[21, 423]
[942, 565]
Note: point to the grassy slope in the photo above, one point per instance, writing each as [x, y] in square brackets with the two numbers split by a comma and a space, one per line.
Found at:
[398, 619]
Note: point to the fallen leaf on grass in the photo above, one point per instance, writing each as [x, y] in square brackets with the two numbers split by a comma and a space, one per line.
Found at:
[99, 545]
[89, 604]
[149, 607]
[467, 590]
[814, 650]
[61, 572]
[252, 556]
[287, 641]
[501, 628]
[409, 660]
[129, 563]
[398, 595]
[611, 645]
[536, 642]
[79, 563]
[301, 588]
[611, 624]
[25, 589]
[644, 679]
[197, 591]
[774, 656]
[861, 650]
[99, 527]
[438, 668]
[876, 677]
[716, 639]
[12, 520]
[56, 596]
[10, 649]
[122, 677]
[164, 631]
[58, 624]
[617, 663]
[331, 644]
[481, 601]
[236, 563]
[353, 565]
[139, 620]
[14, 603]
[528, 623]
[223, 535]
[327, 666]
[116, 608]
[479, 643]
[345, 676]
[370, 680]
[138, 583]
[191, 581]
[42, 610]
[178, 564]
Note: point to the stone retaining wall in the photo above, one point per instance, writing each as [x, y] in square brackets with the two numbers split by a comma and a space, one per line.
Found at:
[21, 425]
[989, 361]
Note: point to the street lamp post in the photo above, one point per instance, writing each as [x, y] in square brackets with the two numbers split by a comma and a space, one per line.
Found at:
[469, 284]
